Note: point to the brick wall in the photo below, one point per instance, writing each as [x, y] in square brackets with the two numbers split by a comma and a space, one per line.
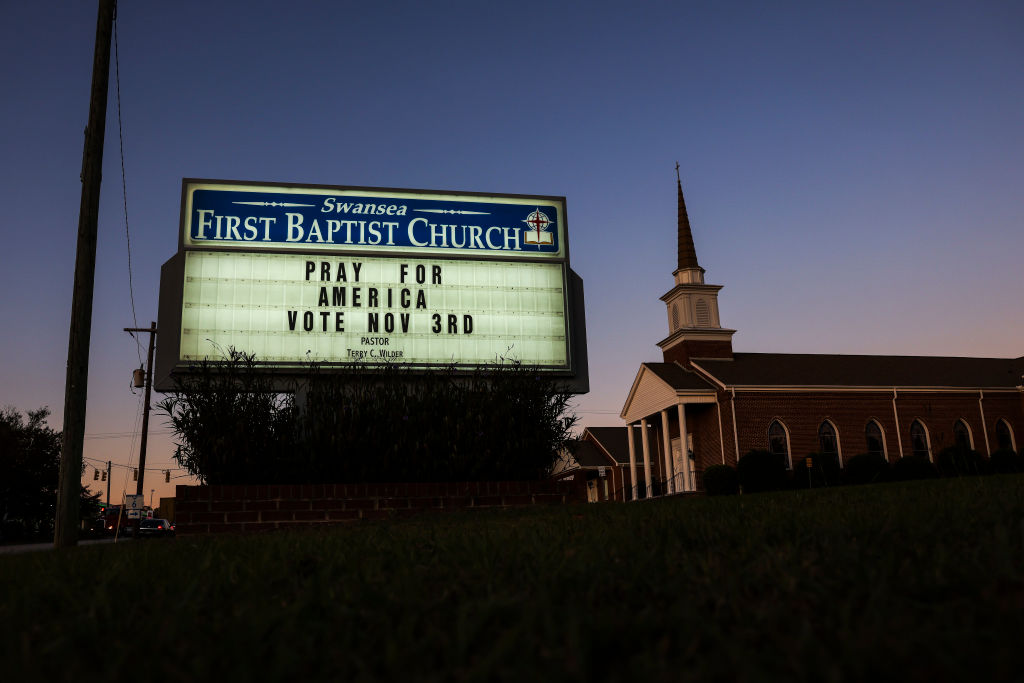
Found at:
[849, 412]
[247, 508]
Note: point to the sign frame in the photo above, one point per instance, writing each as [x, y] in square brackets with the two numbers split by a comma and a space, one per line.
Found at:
[574, 373]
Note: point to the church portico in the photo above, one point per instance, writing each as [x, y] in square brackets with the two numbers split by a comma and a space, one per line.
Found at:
[663, 399]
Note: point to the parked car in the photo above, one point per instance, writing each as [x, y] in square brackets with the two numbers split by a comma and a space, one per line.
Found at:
[155, 528]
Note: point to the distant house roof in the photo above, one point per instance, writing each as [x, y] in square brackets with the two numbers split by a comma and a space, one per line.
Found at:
[613, 441]
[584, 454]
[812, 370]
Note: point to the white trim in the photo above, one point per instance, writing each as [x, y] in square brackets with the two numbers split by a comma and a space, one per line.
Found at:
[927, 437]
[670, 483]
[881, 431]
[707, 375]
[632, 460]
[984, 429]
[789, 444]
[735, 434]
[970, 432]
[647, 458]
[839, 442]
[691, 395]
[899, 430]
[1009, 429]
[684, 447]
[721, 436]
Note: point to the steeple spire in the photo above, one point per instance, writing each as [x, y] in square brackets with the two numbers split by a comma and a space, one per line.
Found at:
[687, 252]
[694, 329]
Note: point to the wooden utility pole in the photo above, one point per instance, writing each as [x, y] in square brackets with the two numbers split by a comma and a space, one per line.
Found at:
[76, 388]
[145, 410]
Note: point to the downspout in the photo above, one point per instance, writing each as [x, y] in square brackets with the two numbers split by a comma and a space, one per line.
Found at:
[984, 429]
[735, 436]
[899, 437]
[721, 437]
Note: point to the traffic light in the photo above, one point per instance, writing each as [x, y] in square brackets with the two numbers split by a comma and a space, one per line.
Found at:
[135, 474]
[167, 476]
[95, 474]
[103, 477]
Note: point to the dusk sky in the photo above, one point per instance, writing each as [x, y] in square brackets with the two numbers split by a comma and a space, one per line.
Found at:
[853, 171]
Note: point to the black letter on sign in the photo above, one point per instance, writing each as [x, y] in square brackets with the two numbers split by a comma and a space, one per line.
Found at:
[307, 321]
[373, 322]
[310, 267]
[467, 324]
[293, 317]
[436, 327]
[453, 324]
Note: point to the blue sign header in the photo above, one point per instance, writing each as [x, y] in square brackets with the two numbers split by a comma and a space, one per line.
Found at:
[272, 217]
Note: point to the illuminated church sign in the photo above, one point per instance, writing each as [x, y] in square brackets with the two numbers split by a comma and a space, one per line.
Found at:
[348, 277]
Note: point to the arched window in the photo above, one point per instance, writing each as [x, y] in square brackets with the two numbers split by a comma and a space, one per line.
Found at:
[828, 441]
[1004, 436]
[919, 442]
[962, 435]
[873, 438]
[778, 442]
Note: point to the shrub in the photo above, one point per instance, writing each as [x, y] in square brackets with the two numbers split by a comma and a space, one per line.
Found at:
[866, 468]
[385, 423]
[913, 467]
[824, 471]
[761, 470]
[230, 426]
[954, 461]
[721, 480]
[501, 422]
[1006, 462]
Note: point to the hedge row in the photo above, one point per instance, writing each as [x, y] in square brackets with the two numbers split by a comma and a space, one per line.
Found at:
[760, 470]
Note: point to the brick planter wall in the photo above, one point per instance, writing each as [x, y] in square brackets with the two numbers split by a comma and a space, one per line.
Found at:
[246, 508]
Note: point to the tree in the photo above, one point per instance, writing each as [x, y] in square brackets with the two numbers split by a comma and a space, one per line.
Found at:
[30, 461]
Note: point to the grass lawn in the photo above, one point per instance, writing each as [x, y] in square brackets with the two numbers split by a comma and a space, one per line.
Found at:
[922, 581]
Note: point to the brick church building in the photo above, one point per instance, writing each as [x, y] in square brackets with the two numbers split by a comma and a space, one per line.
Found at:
[722, 404]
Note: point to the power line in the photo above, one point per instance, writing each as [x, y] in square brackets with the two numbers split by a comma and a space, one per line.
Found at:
[124, 189]
[121, 435]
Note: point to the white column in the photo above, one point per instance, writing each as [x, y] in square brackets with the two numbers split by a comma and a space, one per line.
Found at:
[670, 484]
[687, 475]
[632, 461]
[647, 457]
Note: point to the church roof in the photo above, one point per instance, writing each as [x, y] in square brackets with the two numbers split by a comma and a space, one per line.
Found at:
[687, 252]
[825, 370]
[678, 377]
